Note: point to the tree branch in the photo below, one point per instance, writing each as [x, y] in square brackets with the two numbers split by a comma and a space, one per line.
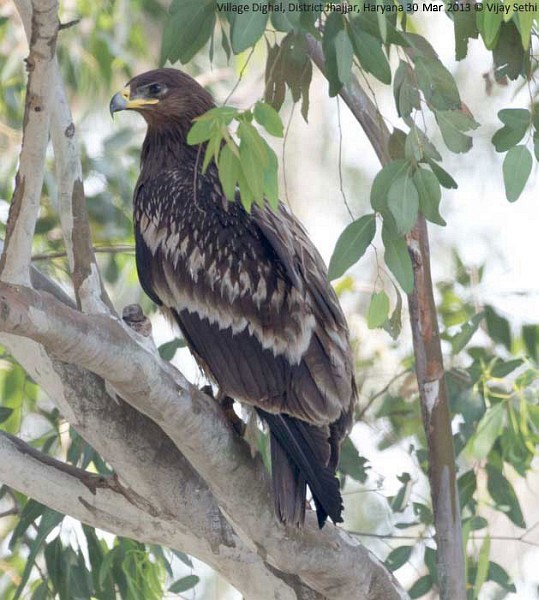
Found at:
[198, 428]
[87, 283]
[148, 462]
[15, 261]
[105, 503]
[428, 362]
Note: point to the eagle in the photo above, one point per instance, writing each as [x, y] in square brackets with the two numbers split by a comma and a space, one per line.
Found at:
[249, 292]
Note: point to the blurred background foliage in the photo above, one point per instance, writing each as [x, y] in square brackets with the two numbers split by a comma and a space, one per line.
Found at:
[491, 361]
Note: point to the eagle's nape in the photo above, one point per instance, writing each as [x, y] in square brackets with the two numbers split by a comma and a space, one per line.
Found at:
[250, 294]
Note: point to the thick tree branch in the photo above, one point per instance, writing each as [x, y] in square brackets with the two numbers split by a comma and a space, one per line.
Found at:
[329, 561]
[149, 464]
[87, 283]
[428, 360]
[15, 261]
[429, 368]
[105, 503]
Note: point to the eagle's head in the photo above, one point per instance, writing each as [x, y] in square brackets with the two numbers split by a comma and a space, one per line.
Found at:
[163, 95]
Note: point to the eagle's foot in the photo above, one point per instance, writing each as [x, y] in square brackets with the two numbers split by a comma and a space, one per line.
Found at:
[228, 407]
[227, 404]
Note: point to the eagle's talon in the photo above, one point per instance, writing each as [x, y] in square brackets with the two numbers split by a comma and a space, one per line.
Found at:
[227, 404]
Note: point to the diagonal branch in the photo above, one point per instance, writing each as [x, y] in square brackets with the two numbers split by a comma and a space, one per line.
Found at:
[15, 261]
[150, 465]
[428, 362]
[105, 503]
[197, 427]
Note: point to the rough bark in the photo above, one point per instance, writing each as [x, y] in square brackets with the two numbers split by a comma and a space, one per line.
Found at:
[329, 561]
[15, 263]
[87, 284]
[428, 362]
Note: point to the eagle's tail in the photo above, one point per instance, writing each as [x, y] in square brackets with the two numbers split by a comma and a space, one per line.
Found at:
[300, 456]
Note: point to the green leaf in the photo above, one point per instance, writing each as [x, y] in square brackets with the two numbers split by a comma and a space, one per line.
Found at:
[398, 557]
[437, 84]
[369, 52]
[229, 168]
[41, 592]
[396, 144]
[498, 327]
[465, 26]
[383, 182]
[399, 263]
[516, 122]
[442, 176]
[393, 325]
[31, 511]
[502, 368]
[530, 336]
[183, 557]
[269, 118]
[168, 349]
[498, 574]
[489, 23]
[423, 513]
[467, 485]
[53, 555]
[452, 123]
[430, 195]
[13, 396]
[271, 179]
[333, 28]
[344, 56]
[351, 463]
[5, 413]
[247, 28]
[403, 202]
[254, 161]
[488, 430]
[503, 494]
[482, 565]
[517, 167]
[418, 147]
[405, 90]
[189, 27]
[351, 245]
[420, 587]
[525, 25]
[510, 58]
[460, 339]
[430, 561]
[201, 131]
[49, 520]
[378, 310]
[184, 584]
[400, 500]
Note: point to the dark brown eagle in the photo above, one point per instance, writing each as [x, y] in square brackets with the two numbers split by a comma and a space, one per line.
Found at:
[249, 292]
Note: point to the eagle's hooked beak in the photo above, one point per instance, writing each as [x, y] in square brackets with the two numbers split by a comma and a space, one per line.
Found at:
[123, 101]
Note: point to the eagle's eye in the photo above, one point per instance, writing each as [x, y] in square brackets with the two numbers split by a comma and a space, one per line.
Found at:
[154, 89]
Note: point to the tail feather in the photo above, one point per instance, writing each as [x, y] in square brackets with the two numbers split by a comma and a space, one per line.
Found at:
[289, 487]
[302, 454]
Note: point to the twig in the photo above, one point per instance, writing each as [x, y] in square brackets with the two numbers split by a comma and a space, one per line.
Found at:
[120, 249]
[341, 183]
[380, 393]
